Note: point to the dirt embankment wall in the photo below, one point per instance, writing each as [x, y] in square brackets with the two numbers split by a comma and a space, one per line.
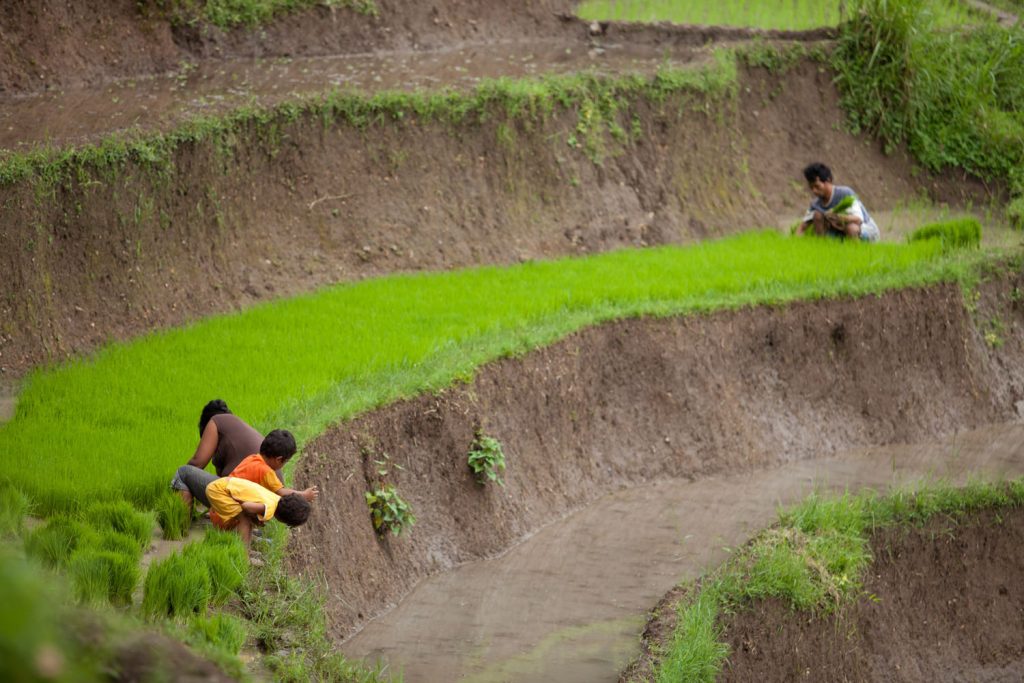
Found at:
[61, 43]
[945, 606]
[282, 206]
[639, 400]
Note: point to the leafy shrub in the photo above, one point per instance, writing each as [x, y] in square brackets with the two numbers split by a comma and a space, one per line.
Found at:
[54, 543]
[388, 511]
[14, 505]
[961, 233]
[486, 459]
[220, 630]
[123, 518]
[173, 516]
[176, 586]
[103, 575]
[226, 561]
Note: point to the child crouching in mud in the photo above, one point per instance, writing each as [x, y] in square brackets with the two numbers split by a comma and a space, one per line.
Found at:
[240, 504]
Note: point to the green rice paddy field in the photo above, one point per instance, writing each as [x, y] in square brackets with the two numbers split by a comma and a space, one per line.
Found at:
[115, 426]
[766, 14]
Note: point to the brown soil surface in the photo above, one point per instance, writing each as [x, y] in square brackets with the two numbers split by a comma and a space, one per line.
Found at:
[637, 401]
[945, 605]
[299, 206]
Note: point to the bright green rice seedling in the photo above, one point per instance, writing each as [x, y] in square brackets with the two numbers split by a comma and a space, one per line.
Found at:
[222, 631]
[100, 576]
[844, 205]
[114, 541]
[962, 233]
[400, 335]
[486, 459]
[174, 517]
[226, 562]
[388, 511]
[54, 543]
[123, 518]
[176, 586]
[14, 506]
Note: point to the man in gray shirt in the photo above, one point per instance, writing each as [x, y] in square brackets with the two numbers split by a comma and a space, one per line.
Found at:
[854, 223]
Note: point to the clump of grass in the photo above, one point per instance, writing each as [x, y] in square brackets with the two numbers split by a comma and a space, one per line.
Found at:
[222, 631]
[953, 97]
[176, 586]
[226, 561]
[961, 233]
[14, 507]
[55, 543]
[100, 576]
[174, 517]
[114, 541]
[123, 518]
[230, 13]
[813, 559]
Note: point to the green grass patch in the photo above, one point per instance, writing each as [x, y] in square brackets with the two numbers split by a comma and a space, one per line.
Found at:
[953, 97]
[353, 347]
[961, 233]
[121, 517]
[101, 576]
[792, 15]
[176, 586]
[54, 543]
[596, 100]
[230, 13]
[226, 561]
[222, 631]
[14, 507]
[174, 517]
[814, 559]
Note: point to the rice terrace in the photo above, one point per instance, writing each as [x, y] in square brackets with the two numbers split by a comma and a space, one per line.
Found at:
[527, 340]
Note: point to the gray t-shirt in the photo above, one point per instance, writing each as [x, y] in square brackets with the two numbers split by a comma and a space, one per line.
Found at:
[840, 192]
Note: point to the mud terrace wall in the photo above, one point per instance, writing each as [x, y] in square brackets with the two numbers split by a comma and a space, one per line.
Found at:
[296, 205]
[639, 400]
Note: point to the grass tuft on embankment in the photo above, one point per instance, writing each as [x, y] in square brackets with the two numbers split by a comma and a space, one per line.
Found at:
[813, 559]
[115, 426]
[794, 15]
[228, 14]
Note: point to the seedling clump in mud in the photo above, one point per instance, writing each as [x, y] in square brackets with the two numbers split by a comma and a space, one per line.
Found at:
[486, 459]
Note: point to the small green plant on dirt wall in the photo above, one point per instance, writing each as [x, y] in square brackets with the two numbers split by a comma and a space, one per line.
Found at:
[486, 459]
[388, 511]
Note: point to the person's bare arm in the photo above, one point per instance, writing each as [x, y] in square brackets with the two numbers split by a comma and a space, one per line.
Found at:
[207, 445]
[309, 494]
[253, 508]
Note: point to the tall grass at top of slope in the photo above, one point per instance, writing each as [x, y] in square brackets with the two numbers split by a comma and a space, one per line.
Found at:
[793, 15]
[115, 426]
[813, 559]
[230, 13]
[954, 97]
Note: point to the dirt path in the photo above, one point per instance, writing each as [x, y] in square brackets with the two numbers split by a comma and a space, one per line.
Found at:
[568, 603]
[160, 102]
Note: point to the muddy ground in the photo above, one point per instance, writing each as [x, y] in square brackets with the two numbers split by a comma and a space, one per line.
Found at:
[641, 400]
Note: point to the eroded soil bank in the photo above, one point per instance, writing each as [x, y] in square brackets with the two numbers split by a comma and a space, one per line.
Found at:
[291, 205]
[946, 604]
[568, 603]
[642, 400]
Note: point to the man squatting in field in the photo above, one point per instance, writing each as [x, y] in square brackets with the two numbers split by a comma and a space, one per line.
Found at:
[253, 493]
[854, 222]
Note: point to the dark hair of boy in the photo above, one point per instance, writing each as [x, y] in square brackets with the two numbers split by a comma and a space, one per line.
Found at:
[214, 407]
[818, 171]
[293, 509]
[278, 444]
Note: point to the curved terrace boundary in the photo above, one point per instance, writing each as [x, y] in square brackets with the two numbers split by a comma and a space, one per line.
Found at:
[643, 399]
